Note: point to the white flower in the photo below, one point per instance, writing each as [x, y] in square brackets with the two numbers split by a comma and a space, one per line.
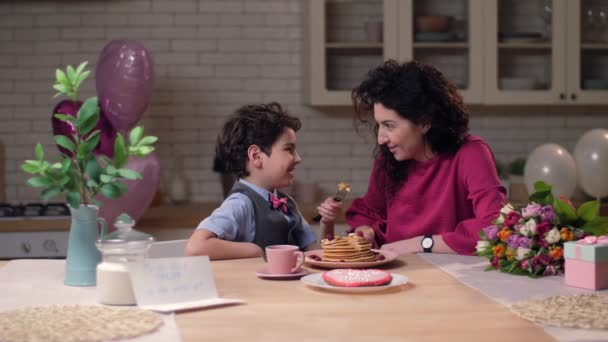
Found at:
[552, 236]
[507, 209]
[522, 253]
[482, 246]
[529, 228]
[500, 219]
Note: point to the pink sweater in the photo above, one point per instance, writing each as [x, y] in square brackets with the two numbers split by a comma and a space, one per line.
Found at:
[452, 195]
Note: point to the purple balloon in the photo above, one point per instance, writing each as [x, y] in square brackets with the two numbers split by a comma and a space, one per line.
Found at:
[107, 134]
[124, 81]
[140, 194]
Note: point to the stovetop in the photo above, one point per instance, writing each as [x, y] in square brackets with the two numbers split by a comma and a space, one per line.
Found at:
[33, 210]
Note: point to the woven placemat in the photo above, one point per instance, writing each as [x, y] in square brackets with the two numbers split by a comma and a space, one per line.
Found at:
[76, 323]
[587, 311]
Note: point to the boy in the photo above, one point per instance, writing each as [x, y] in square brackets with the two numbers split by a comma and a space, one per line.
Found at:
[258, 144]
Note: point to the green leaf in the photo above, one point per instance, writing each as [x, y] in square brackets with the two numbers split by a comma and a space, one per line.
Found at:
[588, 211]
[74, 199]
[564, 211]
[121, 186]
[40, 182]
[71, 74]
[60, 88]
[56, 166]
[88, 116]
[50, 193]
[129, 174]
[66, 165]
[65, 142]
[29, 168]
[93, 170]
[120, 151]
[88, 146]
[80, 79]
[142, 151]
[63, 117]
[106, 178]
[61, 78]
[110, 191]
[39, 151]
[81, 67]
[63, 181]
[91, 183]
[135, 135]
[111, 170]
[597, 227]
[149, 140]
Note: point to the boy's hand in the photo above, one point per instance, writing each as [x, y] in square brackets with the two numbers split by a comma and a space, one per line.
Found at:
[368, 233]
[330, 210]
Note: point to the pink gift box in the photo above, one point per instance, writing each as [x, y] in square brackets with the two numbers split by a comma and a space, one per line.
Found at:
[586, 265]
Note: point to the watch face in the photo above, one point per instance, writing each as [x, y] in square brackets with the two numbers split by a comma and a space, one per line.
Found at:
[427, 242]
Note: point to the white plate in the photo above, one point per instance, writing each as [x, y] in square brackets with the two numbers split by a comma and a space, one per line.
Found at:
[316, 280]
[388, 257]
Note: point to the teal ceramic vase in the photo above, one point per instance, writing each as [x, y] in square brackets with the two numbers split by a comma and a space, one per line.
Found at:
[83, 256]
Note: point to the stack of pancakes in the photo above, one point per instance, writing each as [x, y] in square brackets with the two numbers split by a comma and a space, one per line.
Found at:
[351, 248]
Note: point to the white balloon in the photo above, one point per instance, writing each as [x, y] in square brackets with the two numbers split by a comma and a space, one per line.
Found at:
[591, 155]
[554, 165]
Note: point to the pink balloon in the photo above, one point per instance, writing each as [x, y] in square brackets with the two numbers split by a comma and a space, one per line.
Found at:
[140, 194]
[124, 81]
[107, 134]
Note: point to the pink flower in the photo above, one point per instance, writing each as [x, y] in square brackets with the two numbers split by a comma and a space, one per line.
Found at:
[512, 219]
[543, 228]
[495, 261]
[524, 264]
[531, 210]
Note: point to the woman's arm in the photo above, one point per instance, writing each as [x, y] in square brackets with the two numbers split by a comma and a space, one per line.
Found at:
[204, 242]
[413, 245]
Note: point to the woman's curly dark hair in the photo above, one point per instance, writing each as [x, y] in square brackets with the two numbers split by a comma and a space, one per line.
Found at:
[260, 125]
[417, 92]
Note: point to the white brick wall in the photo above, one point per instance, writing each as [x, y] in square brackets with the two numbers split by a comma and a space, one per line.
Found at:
[210, 58]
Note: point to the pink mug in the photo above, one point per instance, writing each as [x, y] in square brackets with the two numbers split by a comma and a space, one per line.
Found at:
[284, 259]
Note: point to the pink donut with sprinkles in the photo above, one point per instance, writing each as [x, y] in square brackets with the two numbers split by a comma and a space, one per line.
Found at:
[356, 277]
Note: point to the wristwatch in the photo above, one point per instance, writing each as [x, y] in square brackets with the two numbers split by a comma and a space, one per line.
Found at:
[427, 244]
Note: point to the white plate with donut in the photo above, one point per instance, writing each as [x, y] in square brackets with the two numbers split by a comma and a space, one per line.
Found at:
[315, 280]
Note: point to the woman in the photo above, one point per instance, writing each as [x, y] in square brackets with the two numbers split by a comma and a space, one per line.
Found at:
[433, 186]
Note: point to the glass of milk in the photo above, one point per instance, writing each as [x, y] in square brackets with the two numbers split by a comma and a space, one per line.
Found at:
[119, 249]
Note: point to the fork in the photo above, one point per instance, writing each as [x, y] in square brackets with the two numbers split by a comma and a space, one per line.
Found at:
[343, 190]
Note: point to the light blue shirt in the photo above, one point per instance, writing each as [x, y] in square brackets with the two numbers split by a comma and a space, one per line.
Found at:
[234, 220]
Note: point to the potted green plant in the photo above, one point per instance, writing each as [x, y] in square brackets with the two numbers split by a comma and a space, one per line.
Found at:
[80, 175]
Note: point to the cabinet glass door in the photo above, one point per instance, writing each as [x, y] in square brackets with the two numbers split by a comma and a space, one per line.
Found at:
[351, 37]
[588, 51]
[446, 34]
[525, 48]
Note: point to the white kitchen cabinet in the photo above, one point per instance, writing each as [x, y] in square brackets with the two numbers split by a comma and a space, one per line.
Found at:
[340, 49]
[542, 52]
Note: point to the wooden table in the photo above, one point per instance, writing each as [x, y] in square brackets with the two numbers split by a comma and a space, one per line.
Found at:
[432, 307]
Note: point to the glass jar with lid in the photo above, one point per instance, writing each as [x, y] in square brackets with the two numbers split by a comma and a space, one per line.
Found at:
[119, 249]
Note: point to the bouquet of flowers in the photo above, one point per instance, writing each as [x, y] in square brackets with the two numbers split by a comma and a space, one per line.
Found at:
[530, 240]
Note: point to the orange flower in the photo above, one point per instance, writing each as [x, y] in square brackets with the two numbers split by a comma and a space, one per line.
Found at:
[511, 253]
[504, 234]
[566, 234]
[498, 250]
[556, 253]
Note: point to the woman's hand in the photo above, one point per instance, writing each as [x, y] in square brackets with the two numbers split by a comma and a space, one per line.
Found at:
[408, 246]
[330, 210]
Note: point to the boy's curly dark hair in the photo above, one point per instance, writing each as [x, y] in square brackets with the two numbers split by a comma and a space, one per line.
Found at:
[420, 93]
[259, 125]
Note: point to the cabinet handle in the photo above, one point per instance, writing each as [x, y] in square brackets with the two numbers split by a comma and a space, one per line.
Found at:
[573, 97]
[26, 247]
[562, 96]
